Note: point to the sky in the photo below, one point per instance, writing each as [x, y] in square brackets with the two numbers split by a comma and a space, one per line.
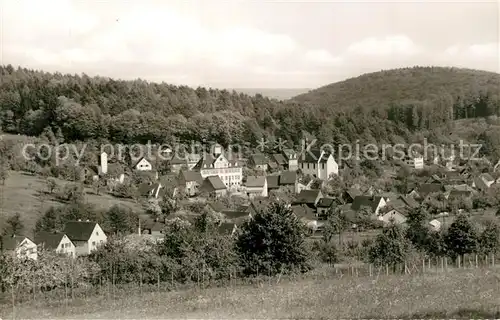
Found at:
[246, 44]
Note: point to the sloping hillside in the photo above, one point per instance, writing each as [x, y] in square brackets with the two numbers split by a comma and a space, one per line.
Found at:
[380, 89]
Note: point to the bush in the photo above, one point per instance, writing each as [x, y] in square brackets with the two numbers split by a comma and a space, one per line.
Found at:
[273, 242]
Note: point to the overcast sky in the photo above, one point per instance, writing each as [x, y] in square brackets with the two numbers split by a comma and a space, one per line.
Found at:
[252, 44]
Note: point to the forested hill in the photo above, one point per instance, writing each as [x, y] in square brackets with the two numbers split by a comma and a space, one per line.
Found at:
[398, 86]
[87, 108]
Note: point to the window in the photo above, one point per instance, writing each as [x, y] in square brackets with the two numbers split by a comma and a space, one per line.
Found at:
[322, 166]
[93, 243]
[97, 233]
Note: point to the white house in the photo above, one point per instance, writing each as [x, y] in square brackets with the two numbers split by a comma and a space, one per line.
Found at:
[374, 203]
[415, 162]
[230, 171]
[143, 165]
[318, 163]
[58, 242]
[435, 225]
[256, 186]
[395, 216]
[85, 235]
[19, 246]
[190, 181]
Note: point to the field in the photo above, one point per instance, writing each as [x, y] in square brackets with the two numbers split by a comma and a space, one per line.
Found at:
[462, 293]
[21, 193]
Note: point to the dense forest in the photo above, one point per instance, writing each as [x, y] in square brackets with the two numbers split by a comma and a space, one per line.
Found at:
[384, 107]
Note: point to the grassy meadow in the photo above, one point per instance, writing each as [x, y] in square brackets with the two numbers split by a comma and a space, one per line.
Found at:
[26, 194]
[464, 293]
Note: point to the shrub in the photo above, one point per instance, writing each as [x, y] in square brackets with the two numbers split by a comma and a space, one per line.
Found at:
[272, 242]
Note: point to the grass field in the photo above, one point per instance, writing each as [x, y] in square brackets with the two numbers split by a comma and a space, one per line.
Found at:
[473, 293]
[21, 193]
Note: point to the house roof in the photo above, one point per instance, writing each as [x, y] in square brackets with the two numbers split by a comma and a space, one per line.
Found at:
[272, 182]
[79, 230]
[325, 202]
[365, 201]
[353, 192]
[409, 201]
[208, 160]
[191, 176]
[217, 206]
[146, 187]
[258, 159]
[459, 193]
[426, 188]
[303, 212]
[311, 156]
[215, 182]
[307, 196]
[48, 239]
[287, 178]
[279, 159]
[141, 159]
[236, 216]
[256, 181]
[10, 243]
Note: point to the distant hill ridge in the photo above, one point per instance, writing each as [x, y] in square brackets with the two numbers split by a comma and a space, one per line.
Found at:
[274, 93]
[379, 89]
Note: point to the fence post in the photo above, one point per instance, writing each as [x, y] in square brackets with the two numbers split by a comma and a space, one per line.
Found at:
[429, 263]
[442, 264]
[458, 262]
[158, 282]
[423, 266]
[476, 260]
[493, 260]
[386, 269]
[369, 269]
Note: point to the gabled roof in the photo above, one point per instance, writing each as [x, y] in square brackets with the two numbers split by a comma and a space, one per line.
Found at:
[11, 243]
[353, 193]
[217, 206]
[365, 201]
[325, 202]
[459, 193]
[409, 201]
[191, 176]
[79, 230]
[310, 156]
[141, 159]
[303, 212]
[256, 181]
[145, 188]
[279, 159]
[48, 240]
[215, 182]
[287, 178]
[258, 159]
[426, 188]
[272, 182]
[307, 196]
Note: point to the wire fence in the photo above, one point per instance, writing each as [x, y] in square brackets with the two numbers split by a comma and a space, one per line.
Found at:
[107, 287]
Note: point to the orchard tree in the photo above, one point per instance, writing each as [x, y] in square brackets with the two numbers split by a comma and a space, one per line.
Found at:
[489, 240]
[391, 247]
[14, 225]
[462, 237]
[273, 242]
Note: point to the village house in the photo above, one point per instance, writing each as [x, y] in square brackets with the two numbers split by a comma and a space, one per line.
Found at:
[227, 228]
[229, 171]
[190, 182]
[213, 187]
[415, 162]
[85, 235]
[392, 216]
[155, 229]
[256, 186]
[349, 195]
[319, 164]
[151, 190]
[278, 161]
[259, 161]
[56, 241]
[324, 205]
[307, 215]
[309, 198]
[19, 246]
[375, 203]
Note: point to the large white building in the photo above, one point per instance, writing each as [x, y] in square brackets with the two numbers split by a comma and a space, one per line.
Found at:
[319, 164]
[85, 235]
[230, 171]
